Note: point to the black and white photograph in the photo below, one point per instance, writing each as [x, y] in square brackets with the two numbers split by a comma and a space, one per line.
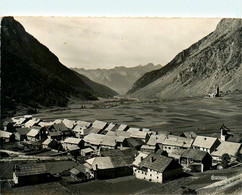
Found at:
[121, 105]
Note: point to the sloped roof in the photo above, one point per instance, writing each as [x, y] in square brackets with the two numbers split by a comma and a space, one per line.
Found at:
[72, 140]
[32, 122]
[123, 133]
[123, 127]
[34, 169]
[134, 129]
[95, 130]
[5, 134]
[83, 124]
[102, 162]
[90, 161]
[22, 131]
[99, 124]
[33, 132]
[194, 154]
[93, 138]
[204, 141]
[45, 124]
[60, 127]
[178, 141]
[87, 150]
[139, 158]
[57, 121]
[139, 134]
[55, 133]
[68, 123]
[161, 138]
[159, 163]
[152, 140]
[19, 121]
[72, 147]
[231, 148]
[109, 141]
[148, 147]
[47, 141]
[134, 142]
[112, 127]
[79, 169]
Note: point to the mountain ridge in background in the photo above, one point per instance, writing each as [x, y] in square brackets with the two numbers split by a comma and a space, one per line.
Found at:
[31, 75]
[214, 61]
[119, 78]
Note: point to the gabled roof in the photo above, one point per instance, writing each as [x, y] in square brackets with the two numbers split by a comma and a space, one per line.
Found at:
[147, 147]
[87, 150]
[45, 124]
[152, 140]
[159, 162]
[123, 127]
[33, 132]
[47, 142]
[32, 122]
[57, 121]
[134, 142]
[83, 124]
[139, 134]
[112, 127]
[123, 133]
[22, 131]
[173, 140]
[102, 163]
[194, 154]
[72, 140]
[55, 133]
[134, 129]
[99, 124]
[161, 138]
[68, 123]
[72, 147]
[231, 148]
[79, 169]
[138, 158]
[5, 134]
[109, 141]
[94, 139]
[34, 169]
[19, 121]
[60, 127]
[204, 141]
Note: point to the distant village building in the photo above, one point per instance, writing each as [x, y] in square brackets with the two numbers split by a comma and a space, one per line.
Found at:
[230, 148]
[173, 142]
[98, 126]
[71, 141]
[69, 123]
[197, 160]
[205, 143]
[33, 135]
[50, 144]
[6, 136]
[87, 152]
[21, 133]
[134, 143]
[82, 172]
[32, 122]
[94, 140]
[157, 168]
[123, 127]
[8, 126]
[60, 127]
[149, 148]
[189, 134]
[30, 174]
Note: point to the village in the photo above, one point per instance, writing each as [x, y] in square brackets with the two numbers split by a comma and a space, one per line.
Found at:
[100, 150]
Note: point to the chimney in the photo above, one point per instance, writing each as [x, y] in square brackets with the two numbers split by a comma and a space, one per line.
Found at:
[151, 159]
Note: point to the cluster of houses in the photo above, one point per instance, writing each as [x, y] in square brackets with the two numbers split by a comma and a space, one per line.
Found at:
[113, 150]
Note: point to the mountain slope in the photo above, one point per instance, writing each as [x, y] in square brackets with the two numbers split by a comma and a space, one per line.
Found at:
[32, 75]
[213, 61]
[120, 79]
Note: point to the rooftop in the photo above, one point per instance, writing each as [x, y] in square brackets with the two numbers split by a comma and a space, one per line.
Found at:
[204, 141]
[27, 170]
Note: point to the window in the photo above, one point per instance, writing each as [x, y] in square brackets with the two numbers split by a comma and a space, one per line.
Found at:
[157, 177]
[169, 148]
[150, 174]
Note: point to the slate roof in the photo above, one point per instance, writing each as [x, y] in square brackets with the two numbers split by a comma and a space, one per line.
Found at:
[55, 133]
[159, 163]
[139, 134]
[99, 124]
[231, 148]
[109, 141]
[32, 122]
[112, 127]
[79, 169]
[161, 138]
[87, 150]
[134, 142]
[22, 131]
[194, 154]
[123, 133]
[47, 142]
[133, 129]
[102, 162]
[28, 170]
[60, 127]
[204, 141]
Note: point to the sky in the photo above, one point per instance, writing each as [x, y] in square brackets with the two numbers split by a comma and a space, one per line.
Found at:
[107, 42]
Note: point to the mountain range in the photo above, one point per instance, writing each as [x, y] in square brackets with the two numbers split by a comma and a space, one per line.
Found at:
[214, 61]
[119, 78]
[31, 75]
